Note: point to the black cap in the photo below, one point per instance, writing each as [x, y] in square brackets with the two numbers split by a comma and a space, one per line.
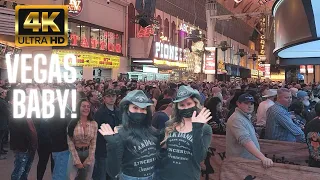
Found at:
[184, 92]
[136, 97]
[245, 98]
[109, 92]
[162, 102]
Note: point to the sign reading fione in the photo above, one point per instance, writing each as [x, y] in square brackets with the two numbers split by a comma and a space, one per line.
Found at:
[169, 52]
[31, 102]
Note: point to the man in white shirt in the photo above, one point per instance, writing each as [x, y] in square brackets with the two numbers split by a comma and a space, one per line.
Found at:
[270, 94]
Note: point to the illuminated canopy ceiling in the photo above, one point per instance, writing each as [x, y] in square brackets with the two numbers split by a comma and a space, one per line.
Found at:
[247, 6]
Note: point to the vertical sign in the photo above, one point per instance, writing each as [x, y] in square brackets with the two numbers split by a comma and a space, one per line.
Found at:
[310, 69]
[302, 69]
[267, 70]
[262, 37]
[210, 62]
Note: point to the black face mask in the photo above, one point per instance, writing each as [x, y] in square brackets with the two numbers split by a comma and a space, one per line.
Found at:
[187, 113]
[136, 118]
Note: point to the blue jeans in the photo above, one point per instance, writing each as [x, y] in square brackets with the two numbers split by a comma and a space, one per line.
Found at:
[22, 165]
[100, 169]
[60, 165]
[125, 177]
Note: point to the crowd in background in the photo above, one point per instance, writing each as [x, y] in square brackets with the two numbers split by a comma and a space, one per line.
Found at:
[275, 110]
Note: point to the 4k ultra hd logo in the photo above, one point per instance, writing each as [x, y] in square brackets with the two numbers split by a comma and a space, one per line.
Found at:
[41, 25]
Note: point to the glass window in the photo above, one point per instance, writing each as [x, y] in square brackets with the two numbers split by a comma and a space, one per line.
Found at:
[74, 34]
[103, 40]
[85, 36]
[94, 38]
[111, 41]
[118, 43]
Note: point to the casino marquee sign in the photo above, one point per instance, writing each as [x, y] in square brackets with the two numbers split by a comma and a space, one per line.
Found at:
[75, 7]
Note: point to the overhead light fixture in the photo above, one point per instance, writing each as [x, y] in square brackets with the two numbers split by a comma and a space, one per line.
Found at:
[95, 29]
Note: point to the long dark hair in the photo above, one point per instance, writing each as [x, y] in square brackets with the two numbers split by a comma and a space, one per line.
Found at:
[212, 106]
[136, 133]
[73, 123]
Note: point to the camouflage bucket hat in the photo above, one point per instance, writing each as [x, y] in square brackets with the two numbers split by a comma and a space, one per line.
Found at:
[136, 97]
[184, 92]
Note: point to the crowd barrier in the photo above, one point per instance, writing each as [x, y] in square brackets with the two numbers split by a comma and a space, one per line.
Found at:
[243, 169]
[278, 151]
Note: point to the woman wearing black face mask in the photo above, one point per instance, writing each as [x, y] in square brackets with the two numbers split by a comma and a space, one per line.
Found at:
[186, 138]
[132, 150]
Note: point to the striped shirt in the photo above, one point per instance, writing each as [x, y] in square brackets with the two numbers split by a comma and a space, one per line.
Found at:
[281, 127]
[84, 137]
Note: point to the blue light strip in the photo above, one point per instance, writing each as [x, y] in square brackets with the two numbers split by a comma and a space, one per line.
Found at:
[305, 50]
[316, 13]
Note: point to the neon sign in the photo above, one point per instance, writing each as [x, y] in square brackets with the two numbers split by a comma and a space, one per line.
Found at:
[263, 37]
[145, 32]
[169, 52]
[75, 7]
[111, 46]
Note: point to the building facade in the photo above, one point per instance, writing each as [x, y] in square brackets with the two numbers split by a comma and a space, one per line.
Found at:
[98, 39]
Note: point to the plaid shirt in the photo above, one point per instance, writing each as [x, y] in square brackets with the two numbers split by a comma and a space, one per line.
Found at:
[281, 127]
[81, 137]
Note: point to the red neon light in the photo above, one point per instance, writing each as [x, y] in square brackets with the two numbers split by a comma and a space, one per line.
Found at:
[145, 32]
[84, 42]
[112, 47]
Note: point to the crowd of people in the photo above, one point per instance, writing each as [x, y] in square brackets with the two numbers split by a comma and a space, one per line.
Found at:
[155, 129]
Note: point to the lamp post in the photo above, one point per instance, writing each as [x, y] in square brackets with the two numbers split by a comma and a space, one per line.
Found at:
[211, 10]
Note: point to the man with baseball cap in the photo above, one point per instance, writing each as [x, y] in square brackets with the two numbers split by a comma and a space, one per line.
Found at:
[241, 140]
[107, 114]
[270, 95]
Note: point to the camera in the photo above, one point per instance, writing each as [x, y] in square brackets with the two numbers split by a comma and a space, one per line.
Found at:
[108, 1]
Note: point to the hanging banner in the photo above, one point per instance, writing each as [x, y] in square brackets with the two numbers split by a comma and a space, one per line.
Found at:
[310, 69]
[302, 69]
[267, 71]
[210, 61]
[243, 169]
[91, 59]
[278, 151]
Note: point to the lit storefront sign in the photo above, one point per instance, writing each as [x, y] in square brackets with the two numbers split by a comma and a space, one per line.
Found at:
[310, 69]
[210, 62]
[91, 59]
[254, 72]
[150, 69]
[186, 28]
[267, 70]
[169, 52]
[169, 63]
[145, 32]
[304, 69]
[260, 73]
[95, 38]
[75, 7]
[262, 51]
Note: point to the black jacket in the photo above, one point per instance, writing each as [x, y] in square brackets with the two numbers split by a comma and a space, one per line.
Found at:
[105, 115]
[58, 129]
[4, 114]
[21, 137]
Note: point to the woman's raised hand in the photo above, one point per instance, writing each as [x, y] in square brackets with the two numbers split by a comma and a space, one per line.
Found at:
[203, 116]
[106, 130]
